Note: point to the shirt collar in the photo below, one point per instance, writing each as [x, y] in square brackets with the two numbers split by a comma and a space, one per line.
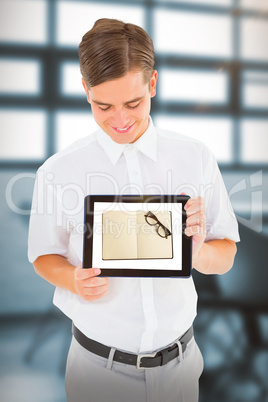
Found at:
[147, 144]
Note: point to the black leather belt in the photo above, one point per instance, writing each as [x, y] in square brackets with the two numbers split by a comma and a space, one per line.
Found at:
[141, 361]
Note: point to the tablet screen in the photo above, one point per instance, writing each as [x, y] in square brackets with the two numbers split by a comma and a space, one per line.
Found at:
[137, 235]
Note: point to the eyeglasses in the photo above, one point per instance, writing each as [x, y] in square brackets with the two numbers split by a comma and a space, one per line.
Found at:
[152, 220]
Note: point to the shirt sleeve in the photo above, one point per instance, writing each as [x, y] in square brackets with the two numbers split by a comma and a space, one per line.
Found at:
[47, 228]
[220, 218]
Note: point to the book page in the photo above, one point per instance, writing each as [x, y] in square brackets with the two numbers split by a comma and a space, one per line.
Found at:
[150, 244]
[119, 235]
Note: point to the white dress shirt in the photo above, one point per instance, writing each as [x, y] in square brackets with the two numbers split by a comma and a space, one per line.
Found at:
[137, 314]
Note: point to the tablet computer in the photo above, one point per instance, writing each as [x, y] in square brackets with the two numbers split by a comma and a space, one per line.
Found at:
[137, 235]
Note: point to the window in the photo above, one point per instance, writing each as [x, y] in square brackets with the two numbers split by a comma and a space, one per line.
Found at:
[204, 2]
[188, 85]
[71, 84]
[254, 134]
[74, 19]
[215, 132]
[73, 126]
[258, 5]
[23, 21]
[23, 133]
[255, 89]
[195, 34]
[254, 39]
[19, 76]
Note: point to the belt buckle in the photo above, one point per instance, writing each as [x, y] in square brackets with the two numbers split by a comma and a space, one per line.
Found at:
[140, 356]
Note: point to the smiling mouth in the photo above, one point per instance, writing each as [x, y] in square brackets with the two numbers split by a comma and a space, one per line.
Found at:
[122, 130]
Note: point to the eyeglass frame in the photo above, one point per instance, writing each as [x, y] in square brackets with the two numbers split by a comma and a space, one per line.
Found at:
[166, 230]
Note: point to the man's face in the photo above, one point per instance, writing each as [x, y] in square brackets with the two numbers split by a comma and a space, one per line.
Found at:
[121, 107]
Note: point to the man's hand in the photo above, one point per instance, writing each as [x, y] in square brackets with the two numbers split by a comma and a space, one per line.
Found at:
[88, 285]
[196, 224]
[214, 256]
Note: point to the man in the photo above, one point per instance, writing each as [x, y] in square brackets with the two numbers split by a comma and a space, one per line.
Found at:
[127, 154]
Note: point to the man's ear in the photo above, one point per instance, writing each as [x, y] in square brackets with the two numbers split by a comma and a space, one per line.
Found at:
[153, 83]
[86, 90]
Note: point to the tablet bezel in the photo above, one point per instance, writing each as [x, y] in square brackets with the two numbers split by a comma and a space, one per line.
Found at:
[90, 200]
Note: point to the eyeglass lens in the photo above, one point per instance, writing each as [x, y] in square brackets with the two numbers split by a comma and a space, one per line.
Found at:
[152, 220]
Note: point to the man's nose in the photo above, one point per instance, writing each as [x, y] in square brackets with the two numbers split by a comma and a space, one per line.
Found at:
[121, 118]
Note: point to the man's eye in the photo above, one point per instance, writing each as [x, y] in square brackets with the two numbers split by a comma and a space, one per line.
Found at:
[133, 106]
[104, 108]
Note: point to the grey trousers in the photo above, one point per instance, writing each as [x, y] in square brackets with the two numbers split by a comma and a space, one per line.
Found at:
[91, 378]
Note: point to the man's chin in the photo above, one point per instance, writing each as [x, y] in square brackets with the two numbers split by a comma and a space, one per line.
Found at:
[123, 139]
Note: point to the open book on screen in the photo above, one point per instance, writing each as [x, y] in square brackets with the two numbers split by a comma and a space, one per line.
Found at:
[136, 235]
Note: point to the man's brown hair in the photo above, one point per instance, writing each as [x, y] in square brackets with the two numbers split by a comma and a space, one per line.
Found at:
[111, 49]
